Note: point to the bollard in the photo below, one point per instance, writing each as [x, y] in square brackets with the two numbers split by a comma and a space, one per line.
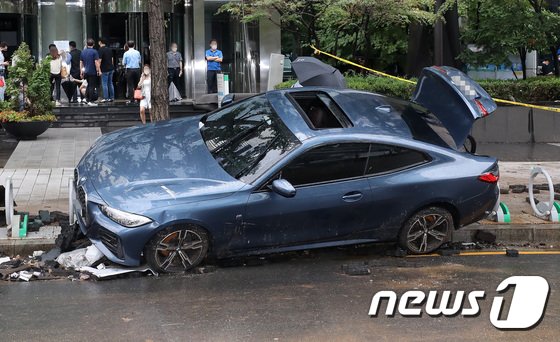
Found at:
[500, 213]
[9, 200]
[544, 210]
[71, 220]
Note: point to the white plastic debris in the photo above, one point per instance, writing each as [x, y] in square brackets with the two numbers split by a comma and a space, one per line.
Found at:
[24, 275]
[113, 271]
[4, 259]
[80, 257]
[101, 266]
[37, 253]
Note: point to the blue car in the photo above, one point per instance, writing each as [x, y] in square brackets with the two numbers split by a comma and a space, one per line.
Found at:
[288, 170]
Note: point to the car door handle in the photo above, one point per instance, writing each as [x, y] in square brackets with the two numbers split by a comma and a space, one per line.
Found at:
[352, 196]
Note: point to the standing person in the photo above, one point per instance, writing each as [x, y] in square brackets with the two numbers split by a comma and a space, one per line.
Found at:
[145, 84]
[91, 70]
[55, 78]
[75, 71]
[107, 69]
[131, 62]
[3, 64]
[214, 58]
[174, 65]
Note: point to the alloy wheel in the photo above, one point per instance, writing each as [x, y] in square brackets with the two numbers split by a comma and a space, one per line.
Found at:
[427, 233]
[179, 250]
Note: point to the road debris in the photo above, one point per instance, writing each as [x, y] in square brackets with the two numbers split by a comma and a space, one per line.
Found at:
[80, 257]
[356, 269]
[107, 272]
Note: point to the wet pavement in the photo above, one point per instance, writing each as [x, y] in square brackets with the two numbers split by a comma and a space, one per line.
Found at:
[7, 146]
[521, 152]
[299, 297]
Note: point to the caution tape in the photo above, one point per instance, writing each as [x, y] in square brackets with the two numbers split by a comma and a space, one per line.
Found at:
[377, 72]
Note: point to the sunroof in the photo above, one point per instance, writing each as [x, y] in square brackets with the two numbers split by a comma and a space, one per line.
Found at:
[319, 110]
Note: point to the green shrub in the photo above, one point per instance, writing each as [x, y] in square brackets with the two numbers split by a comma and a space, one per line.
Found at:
[11, 115]
[536, 89]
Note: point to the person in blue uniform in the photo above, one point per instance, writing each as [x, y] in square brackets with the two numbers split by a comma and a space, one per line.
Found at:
[214, 58]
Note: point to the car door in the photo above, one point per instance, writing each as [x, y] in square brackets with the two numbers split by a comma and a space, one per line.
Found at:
[395, 175]
[332, 198]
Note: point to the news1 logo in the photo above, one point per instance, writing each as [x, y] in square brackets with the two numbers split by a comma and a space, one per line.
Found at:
[526, 309]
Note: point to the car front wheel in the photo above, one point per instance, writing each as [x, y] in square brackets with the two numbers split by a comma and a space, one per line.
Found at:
[426, 230]
[177, 249]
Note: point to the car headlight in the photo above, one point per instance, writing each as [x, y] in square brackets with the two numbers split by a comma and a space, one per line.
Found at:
[123, 218]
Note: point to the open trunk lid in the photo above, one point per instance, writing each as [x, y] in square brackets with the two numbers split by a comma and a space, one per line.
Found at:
[454, 98]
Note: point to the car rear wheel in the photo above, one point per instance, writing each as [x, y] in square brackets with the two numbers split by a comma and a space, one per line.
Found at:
[426, 230]
[177, 249]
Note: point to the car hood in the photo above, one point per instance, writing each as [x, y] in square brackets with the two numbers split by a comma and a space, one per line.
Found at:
[454, 98]
[156, 165]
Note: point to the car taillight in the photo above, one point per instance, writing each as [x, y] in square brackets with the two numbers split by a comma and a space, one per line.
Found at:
[481, 108]
[489, 177]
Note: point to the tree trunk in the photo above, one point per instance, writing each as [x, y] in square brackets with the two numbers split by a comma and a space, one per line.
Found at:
[159, 91]
[523, 57]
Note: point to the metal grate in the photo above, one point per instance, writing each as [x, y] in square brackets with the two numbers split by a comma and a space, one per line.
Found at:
[111, 241]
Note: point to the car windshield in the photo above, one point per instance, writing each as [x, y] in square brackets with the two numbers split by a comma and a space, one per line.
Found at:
[247, 138]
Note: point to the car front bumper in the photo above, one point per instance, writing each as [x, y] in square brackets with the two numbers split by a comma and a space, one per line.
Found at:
[119, 244]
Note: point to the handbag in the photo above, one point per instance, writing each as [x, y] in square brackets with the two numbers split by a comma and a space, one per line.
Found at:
[64, 71]
[138, 94]
[2, 84]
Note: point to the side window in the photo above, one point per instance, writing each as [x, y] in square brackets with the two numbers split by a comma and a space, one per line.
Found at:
[327, 163]
[386, 158]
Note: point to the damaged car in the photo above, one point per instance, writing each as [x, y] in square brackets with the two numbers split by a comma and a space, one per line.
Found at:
[291, 169]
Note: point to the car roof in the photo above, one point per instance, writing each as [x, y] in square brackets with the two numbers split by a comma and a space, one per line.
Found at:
[368, 113]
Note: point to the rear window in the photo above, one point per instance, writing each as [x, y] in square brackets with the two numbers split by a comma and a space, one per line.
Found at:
[423, 124]
[319, 110]
[387, 158]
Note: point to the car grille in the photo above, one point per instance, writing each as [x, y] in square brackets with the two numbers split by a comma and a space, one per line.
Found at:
[76, 178]
[82, 197]
[111, 241]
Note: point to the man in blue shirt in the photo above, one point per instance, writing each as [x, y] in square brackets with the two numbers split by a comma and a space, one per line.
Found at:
[131, 62]
[90, 67]
[214, 58]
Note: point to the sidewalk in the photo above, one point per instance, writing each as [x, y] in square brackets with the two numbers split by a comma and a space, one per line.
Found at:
[40, 169]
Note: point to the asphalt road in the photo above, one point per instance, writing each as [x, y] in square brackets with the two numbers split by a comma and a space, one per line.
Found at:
[299, 297]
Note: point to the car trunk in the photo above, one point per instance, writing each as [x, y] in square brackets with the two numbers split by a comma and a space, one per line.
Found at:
[454, 98]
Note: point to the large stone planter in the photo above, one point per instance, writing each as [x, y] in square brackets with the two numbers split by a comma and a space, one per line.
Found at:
[26, 130]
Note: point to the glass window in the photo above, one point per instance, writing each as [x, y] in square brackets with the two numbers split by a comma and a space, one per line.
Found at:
[320, 111]
[386, 158]
[247, 138]
[328, 163]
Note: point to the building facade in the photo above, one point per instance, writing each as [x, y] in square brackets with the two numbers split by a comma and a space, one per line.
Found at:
[189, 23]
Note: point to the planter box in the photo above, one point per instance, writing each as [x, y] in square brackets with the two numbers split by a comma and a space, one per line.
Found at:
[26, 130]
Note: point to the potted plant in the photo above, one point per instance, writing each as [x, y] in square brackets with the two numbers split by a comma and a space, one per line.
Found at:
[28, 113]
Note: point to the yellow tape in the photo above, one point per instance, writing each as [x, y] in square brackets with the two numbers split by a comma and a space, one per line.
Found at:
[319, 52]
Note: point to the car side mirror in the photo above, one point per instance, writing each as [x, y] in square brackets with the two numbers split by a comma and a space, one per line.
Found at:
[227, 99]
[283, 188]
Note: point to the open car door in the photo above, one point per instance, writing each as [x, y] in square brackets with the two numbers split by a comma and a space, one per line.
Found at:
[454, 98]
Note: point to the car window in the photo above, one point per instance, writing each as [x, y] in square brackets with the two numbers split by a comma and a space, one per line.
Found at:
[247, 138]
[387, 158]
[319, 110]
[328, 163]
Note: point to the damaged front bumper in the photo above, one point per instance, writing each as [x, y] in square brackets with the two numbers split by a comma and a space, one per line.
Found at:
[119, 244]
